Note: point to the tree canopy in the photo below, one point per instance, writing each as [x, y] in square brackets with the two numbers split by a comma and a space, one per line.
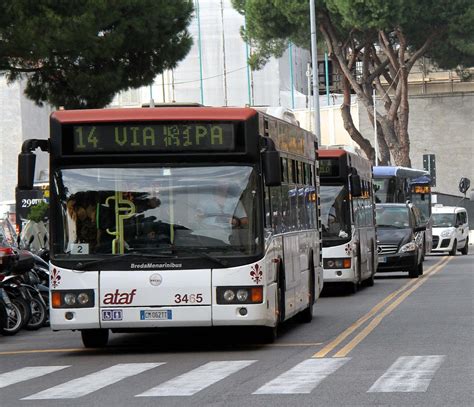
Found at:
[79, 54]
[373, 43]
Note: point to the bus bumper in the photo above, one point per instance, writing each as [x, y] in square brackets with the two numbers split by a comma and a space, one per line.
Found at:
[263, 314]
[339, 276]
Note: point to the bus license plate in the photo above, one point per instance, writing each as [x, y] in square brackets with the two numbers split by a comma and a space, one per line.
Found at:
[155, 315]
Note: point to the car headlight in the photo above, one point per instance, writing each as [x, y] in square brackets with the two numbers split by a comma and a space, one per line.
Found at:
[409, 247]
[447, 233]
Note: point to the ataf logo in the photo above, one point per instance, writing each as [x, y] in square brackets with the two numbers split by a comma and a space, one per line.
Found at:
[119, 298]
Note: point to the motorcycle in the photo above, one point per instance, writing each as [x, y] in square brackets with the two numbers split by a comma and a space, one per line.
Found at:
[11, 319]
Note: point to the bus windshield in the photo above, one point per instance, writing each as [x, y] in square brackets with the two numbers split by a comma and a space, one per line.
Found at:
[423, 202]
[335, 217]
[157, 210]
[386, 190]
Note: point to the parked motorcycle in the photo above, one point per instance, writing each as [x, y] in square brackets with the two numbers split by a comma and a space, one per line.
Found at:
[11, 319]
[25, 280]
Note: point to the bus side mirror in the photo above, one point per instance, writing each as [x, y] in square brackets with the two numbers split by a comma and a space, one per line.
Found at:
[356, 189]
[26, 170]
[272, 168]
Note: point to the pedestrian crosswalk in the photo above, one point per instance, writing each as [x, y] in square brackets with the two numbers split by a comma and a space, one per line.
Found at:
[405, 374]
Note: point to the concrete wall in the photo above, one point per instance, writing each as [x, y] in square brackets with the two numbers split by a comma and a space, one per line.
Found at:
[20, 119]
[443, 125]
[10, 137]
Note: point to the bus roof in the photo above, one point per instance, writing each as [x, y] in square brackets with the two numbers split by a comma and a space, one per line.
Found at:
[404, 172]
[153, 114]
[424, 179]
[331, 153]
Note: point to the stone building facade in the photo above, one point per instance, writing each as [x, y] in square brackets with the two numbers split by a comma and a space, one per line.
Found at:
[443, 125]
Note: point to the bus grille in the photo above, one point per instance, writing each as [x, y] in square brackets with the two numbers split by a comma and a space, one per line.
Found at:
[387, 249]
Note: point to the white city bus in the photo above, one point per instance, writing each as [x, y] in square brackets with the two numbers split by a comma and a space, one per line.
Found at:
[179, 217]
[348, 218]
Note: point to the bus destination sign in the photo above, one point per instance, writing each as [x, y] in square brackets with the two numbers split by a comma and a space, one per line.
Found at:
[329, 167]
[153, 138]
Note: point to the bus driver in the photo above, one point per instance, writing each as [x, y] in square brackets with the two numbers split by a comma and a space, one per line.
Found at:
[222, 213]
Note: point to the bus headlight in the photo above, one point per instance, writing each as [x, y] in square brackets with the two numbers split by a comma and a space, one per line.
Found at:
[72, 298]
[69, 299]
[409, 247]
[340, 263]
[229, 295]
[242, 295]
[239, 295]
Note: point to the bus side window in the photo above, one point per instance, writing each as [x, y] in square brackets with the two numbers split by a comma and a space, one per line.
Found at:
[268, 209]
[275, 198]
[293, 218]
[284, 169]
[285, 208]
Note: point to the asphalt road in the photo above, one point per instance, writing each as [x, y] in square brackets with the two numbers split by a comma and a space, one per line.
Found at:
[403, 342]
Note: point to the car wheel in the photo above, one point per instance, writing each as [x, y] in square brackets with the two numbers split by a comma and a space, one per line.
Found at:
[414, 272]
[465, 249]
[454, 249]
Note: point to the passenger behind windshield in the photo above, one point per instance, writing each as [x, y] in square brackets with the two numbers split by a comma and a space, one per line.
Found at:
[335, 216]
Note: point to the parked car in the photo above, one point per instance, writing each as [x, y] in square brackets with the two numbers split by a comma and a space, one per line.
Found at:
[400, 238]
[450, 229]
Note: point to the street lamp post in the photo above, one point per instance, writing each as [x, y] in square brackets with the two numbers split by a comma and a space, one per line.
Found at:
[314, 62]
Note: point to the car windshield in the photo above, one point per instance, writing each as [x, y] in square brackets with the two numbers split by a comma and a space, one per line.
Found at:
[443, 220]
[335, 217]
[149, 210]
[392, 216]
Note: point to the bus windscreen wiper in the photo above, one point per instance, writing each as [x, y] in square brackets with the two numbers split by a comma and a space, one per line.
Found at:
[164, 254]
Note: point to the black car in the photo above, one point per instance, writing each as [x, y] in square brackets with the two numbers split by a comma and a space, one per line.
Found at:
[399, 238]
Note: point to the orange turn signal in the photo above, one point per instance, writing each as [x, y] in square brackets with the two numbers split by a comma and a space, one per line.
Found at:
[346, 263]
[56, 299]
[257, 294]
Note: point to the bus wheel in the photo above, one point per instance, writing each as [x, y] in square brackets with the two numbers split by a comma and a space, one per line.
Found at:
[95, 338]
[267, 334]
[420, 269]
[454, 249]
[306, 316]
[371, 280]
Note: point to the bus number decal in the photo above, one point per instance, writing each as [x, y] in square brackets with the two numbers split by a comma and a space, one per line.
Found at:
[188, 298]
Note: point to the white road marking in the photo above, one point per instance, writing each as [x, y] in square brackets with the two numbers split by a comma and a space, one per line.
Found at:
[197, 379]
[408, 374]
[92, 382]
[26, 373]
[302, 378]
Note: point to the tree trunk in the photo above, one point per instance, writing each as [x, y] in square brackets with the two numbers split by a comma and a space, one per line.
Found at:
[349, 124]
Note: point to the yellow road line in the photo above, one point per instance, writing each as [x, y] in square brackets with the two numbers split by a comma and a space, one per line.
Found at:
[29, 351]
[376, 321]
[294, 344]
[334, 343]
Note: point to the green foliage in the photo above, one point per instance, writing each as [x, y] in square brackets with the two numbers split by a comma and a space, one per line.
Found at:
[271, 23]
[38, 212]
[80, 53]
